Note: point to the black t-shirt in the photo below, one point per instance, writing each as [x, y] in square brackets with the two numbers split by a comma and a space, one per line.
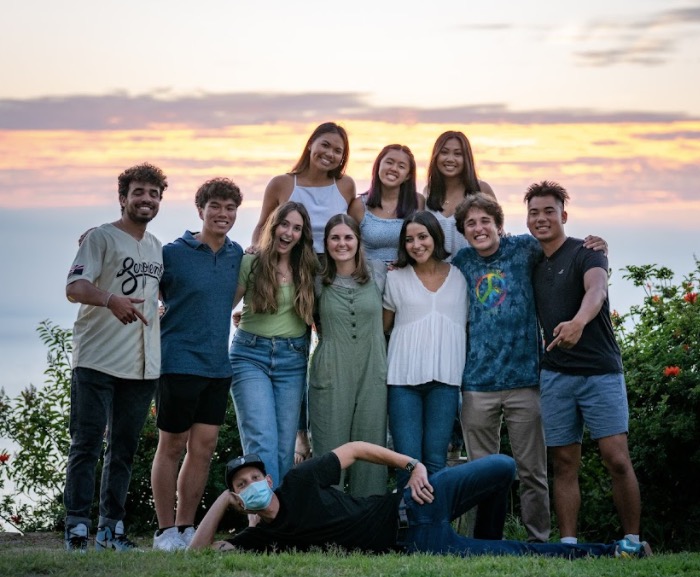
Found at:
[315, 514]
[559, 290]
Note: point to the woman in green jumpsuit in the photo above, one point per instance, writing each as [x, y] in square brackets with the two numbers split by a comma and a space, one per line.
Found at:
[347, 376]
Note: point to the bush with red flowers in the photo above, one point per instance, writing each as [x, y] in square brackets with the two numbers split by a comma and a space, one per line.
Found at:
[660, 344]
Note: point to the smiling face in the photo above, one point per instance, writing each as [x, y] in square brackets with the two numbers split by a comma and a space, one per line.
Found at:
[341, 244]
[419, 244]
[141, 203]
[326, 152]
[288, 232]
[481, 231]
[394, 168]
[450, 160]
[546, 218]
[218, 216]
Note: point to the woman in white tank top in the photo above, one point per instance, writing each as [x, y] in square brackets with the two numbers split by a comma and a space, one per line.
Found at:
[317, 181]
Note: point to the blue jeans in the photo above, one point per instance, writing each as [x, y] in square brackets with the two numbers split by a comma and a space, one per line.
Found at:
[485, 482]
[103, 407]
[421, 418]
[269, 378]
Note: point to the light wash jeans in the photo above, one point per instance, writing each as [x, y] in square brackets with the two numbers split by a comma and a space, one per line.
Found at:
[421, 418]
[485, 482]
[103, 407]
[269, 379]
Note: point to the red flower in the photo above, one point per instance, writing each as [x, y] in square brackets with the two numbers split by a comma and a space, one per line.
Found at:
[656, 298]
[690, 298]
[16, 519]
[4, 457]
[153, 410]
[672, 371]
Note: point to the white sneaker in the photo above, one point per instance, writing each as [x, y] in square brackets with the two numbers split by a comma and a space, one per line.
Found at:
[168, 540]
[187, 535]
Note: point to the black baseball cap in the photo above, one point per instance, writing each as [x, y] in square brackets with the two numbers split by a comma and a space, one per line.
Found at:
[235, 465]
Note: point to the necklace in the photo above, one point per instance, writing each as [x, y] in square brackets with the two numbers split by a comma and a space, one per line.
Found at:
[282, 274]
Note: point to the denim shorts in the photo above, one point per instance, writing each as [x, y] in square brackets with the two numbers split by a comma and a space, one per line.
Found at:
[571, 401]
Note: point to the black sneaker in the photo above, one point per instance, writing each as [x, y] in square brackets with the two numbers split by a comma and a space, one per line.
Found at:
[115, 540]
[76, 538]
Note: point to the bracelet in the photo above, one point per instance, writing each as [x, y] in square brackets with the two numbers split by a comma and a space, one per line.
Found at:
[109, 297]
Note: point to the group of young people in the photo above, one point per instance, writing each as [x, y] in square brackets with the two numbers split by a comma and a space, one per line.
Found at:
[361, 270]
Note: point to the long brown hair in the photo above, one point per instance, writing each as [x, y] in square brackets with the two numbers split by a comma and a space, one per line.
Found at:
[436, 181]
[302, 260]
[329, 271]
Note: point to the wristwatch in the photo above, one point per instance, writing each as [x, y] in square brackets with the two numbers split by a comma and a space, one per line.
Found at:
[411, 465]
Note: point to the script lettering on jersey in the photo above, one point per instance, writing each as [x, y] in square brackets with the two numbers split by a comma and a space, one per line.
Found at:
[133, 271]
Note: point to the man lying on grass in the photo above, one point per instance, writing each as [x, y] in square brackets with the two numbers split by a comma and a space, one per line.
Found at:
[307, 511]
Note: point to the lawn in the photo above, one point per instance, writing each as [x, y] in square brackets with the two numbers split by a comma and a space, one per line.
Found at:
[18, 560]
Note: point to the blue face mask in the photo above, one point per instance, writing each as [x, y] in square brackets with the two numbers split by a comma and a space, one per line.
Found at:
[256, 496]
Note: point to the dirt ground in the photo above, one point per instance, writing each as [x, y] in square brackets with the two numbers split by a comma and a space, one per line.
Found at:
[31, 540]
[51, 540]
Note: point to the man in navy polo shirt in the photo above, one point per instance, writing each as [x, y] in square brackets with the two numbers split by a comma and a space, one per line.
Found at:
[197, 290]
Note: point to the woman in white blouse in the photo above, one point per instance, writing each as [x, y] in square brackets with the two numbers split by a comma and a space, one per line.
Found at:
[425, 301]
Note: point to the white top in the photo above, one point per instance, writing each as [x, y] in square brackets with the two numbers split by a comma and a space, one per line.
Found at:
[454, 240]
[116, 262]
[429, 338]
[321, 202]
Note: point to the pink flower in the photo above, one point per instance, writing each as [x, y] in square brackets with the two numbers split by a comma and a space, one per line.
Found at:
[672, 371]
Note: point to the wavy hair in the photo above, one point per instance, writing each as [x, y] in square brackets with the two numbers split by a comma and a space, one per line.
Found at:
[431, 223]
[481, 201]
[305, 159]
[329, 270]
[144, 172]
[436, 181]
[302, 260]
[408, 191]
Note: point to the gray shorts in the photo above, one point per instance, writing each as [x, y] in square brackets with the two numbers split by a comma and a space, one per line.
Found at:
[571, 401]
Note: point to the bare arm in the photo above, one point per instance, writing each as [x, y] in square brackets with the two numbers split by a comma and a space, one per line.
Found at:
[277, 192]
[485, 187]
[346, 186]
[388, 319]
[595, 283]
[357, 209]
[204, 536]
[421, 201]
[84, 292]
[421, 490]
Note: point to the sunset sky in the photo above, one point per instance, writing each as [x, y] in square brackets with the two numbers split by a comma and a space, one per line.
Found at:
[603, 97]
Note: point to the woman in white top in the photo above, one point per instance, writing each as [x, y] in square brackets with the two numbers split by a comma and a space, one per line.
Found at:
[451, 177]
[317, 181]
[392, 196]
[425, 301]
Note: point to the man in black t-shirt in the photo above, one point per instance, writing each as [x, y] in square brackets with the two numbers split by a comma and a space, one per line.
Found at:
[306, 511]
[581, 380]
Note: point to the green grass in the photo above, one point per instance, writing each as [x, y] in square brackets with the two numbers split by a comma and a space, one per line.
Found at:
[26, 562]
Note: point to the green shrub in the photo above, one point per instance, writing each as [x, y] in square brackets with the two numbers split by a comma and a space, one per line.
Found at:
[37, 422]
[660, 344]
